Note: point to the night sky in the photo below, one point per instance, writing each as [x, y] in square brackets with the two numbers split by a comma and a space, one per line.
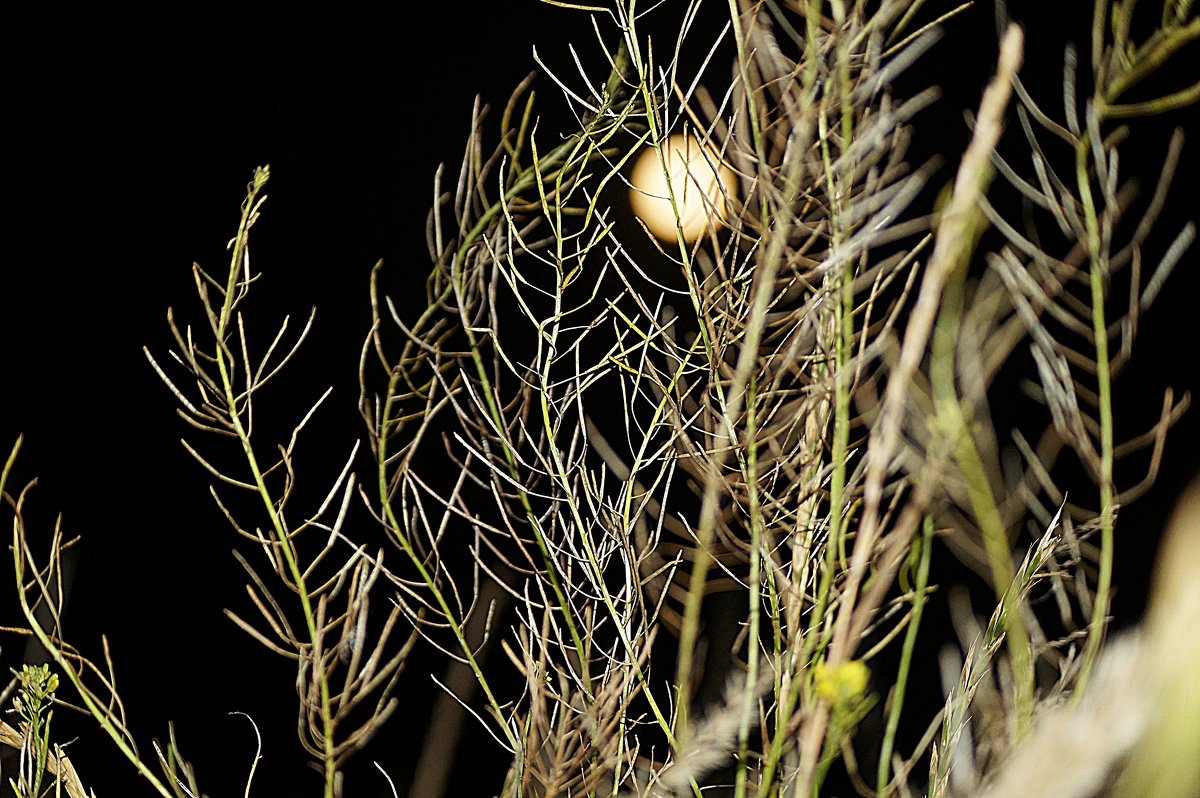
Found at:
[132, 134]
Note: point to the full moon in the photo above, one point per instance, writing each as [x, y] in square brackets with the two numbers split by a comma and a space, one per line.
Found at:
[698, 179]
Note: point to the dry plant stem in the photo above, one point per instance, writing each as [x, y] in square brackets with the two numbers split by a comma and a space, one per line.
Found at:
[552, 336]
[56, 764]
[950, 254]
[384, 493]
[817, 635]
[226, 407]
[703, 558]
[766, 270]
[112, 725]
[286, 546]
[554, 168]
[102, 714]
[9, 462]
[541, 170]
[1144, 62]
[843, 332]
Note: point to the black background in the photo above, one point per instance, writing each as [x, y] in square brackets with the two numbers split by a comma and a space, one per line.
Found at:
[132, 133]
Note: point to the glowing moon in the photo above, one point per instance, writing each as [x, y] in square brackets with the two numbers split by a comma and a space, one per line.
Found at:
[698, 179]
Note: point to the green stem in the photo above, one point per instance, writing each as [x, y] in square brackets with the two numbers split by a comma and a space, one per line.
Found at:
[535, 175]
[1098, 275]
[906, 653]
[286, 546]
[953, 418]
[100, 713]
[427, 578]
[750, 689]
